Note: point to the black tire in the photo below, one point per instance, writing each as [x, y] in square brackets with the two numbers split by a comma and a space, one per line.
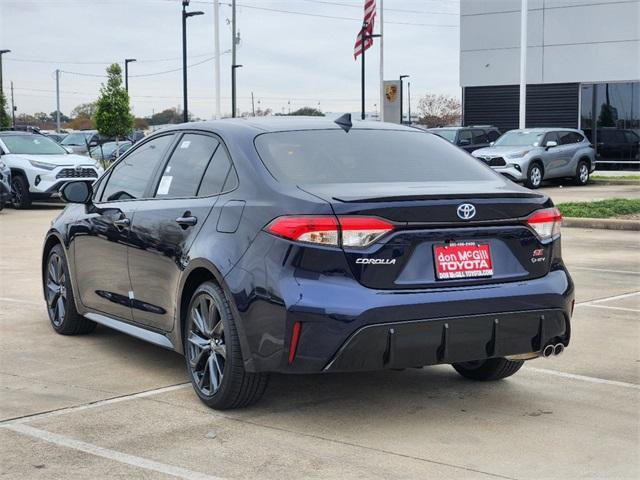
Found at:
[488, 370]
[212, 353]
[582, 173]
[535, 175]
[61, 307]
[20, 197]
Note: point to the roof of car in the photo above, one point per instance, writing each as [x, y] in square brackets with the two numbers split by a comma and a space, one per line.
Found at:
[545, 129]
[282, 123]
[435, 129]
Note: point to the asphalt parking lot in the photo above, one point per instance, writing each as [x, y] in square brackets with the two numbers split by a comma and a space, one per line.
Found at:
[107, 405]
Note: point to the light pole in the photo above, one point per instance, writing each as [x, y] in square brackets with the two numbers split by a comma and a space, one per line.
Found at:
[127, 61]
[185, 15]
[401, 114]
[1, 53]
[409, 99]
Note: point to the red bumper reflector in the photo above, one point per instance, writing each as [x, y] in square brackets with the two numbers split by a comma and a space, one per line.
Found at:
[293, 345]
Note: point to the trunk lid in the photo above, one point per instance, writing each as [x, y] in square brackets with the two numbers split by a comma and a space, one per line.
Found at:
[426, 219]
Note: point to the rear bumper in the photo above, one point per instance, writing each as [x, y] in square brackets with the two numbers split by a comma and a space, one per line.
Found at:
[450, 340]
[346, 326]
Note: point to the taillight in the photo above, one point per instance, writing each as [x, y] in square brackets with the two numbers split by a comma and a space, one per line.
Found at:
[347, 231]
[546, 223]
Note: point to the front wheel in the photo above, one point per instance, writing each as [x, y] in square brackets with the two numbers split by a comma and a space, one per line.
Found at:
[534, 176]
[582, 173]
[61, 307]
[212, 353]
[488, 370]
[20, 197]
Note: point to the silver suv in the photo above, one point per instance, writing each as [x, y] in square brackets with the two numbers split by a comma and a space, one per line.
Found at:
[536, 154]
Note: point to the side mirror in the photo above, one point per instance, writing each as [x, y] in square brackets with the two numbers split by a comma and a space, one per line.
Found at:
[76, 192]
[492, 144]
[93, 143]
[464, 143]
[68, 149]
[550, 144]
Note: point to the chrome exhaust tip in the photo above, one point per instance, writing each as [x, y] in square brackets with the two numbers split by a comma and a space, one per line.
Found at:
[558, 348]
[548, 351]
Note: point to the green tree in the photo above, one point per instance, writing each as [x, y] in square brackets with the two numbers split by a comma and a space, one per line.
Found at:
[170, 115]
[84, 110]
[307, 112]
[113, 115]
[5, 119]
[63, 117]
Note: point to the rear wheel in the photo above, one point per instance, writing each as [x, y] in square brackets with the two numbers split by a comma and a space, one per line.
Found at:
[534, 176]
[20, 197]
[582, 173]
[61, 307]
[487, 370]
[212, 353]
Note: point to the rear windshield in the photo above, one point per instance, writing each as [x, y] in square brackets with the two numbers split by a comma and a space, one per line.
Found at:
[365, 156]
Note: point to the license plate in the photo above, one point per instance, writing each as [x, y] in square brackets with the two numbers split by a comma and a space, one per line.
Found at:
[462, 260]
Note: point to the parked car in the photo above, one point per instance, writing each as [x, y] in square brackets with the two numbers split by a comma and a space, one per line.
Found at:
[5, 184]
[109, 151]
[83, 141]
[616, 146]
[56, 137]
[39, 166]
[136, 135]
[468, 138]
[302, 245]
[537, 154]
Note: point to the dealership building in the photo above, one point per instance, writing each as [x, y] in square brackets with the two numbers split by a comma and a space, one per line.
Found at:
[583, 68]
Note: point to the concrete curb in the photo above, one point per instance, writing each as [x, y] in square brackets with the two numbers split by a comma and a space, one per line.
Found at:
[613, 181]
[601, 223]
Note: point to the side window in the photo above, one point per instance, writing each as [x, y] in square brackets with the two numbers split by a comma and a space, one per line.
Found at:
[465, 137]
[631, 137]
[493, 135]
[566, 138]
[218, 172]
[130, 178]
[479, 136]
[551, 137]
[188, 162]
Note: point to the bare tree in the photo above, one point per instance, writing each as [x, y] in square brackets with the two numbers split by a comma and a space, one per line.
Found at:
[439, 110]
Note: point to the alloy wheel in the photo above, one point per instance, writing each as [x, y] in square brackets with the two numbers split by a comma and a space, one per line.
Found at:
[584, 173]
[56, 290]
[206, 348]
[17, 194]
[536, 176]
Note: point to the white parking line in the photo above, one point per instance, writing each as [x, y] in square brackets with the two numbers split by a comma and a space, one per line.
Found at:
[607, 299]
[15, 300]
[99, 403]
[605, 270]
[609, 307]
[120, 457]
[583, 378]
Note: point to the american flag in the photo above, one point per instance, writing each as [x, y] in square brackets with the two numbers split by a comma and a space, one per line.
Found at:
[369, 18]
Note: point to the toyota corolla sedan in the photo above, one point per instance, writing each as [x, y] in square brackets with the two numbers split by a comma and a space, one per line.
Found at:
[306, 245]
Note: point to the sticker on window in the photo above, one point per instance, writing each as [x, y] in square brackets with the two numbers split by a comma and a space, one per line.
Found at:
[185, 144]
[165, 184]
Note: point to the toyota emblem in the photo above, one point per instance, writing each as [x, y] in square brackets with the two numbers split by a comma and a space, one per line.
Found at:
[466, 211]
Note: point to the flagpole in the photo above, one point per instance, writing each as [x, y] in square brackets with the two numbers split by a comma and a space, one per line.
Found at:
[364, 48]
[381, 62]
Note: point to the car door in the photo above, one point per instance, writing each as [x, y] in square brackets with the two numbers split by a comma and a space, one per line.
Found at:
[465, 140]
[478, 139]
[164, 228]
[101, 237]
[556, 158]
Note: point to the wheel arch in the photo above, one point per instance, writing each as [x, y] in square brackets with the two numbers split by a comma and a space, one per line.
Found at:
[198, 272]
[538, 161]
[52, 239]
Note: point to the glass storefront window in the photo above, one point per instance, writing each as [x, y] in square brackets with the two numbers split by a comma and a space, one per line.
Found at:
[610, 118]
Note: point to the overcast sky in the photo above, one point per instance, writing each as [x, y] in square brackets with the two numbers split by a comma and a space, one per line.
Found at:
[302, 58]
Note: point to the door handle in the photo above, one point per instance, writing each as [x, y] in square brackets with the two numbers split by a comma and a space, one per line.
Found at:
[186, 221]
[122, 222]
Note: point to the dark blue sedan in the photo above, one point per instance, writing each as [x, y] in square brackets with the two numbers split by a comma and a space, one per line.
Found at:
[305, 245]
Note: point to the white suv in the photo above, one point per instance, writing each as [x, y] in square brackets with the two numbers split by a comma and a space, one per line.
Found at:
[39, 166]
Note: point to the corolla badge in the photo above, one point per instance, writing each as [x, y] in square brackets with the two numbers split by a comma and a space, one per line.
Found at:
[466, 211]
